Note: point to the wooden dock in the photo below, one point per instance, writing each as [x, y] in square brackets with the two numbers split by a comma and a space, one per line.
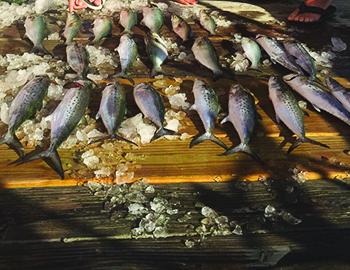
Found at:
[48, 223]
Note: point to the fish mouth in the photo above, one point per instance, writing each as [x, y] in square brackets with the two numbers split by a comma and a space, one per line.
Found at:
[259, 36]
[290, 77]
[93, 6]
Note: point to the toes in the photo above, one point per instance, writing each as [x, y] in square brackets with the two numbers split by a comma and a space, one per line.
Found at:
[293, 15]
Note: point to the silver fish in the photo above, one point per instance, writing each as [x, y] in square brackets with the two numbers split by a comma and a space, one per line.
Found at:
[277, 53]
[36, 31]
[157, 52]
[102, 28]
[180, 27]
[205, 54]
[151, 105]
[207, 22]
[24, 106]
[337, 90]
[72, 27]
[128, 19]
[128, 54]
[78, 58]
[63, 121]
[317, 96]
[302, 57]
[252, 51]
[153, 18]
[113, 109]
[288, 111]
[242, 114]
[206, 103]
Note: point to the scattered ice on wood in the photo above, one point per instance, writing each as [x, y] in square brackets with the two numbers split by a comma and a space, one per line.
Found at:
[338, 45]
[4, 113]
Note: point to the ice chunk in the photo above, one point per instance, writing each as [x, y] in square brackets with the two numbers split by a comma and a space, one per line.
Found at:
[179, 101]
[173, 124]
[4, 113]
[208, 212]
[91, 162]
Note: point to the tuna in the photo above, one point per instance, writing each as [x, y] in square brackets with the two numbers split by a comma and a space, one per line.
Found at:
[207, 22]
[63, 121]
[242, 114]
[128, 19]
[180, 27]
[157, 52]
[301, 57]
[317, 96]
[78, 59]
[113, 109]
[72, 27]
[128, 54]
[288, 111]
[153, 19]
[102, 29]
[151, 105]
[36, 31]
[205, 54]
[337, 90]
[24, 106]
[206, 103]
[277, 53]
[252, 51]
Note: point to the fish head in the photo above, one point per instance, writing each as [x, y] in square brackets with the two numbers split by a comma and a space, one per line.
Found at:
[43, 79]
[234, 89]
[198, 87]
[146, 11]
[200, 42]
[125, 38]
[203, 14]
[175, 20]
[295, 80]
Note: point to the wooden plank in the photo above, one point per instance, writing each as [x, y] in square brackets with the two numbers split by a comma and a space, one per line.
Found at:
[55, 227]
[171, 161]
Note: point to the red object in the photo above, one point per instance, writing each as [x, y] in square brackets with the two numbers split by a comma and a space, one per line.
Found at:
[80, 4]
[187, 2]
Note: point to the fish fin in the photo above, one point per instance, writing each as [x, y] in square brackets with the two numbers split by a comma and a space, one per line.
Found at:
[243, 148]
[316, 108]
[50, 156]
[162, 132]
[306, 113]
[226, 119]
[299, 141]
[12, 141]
[207, 136]
[39, 50]
[278, 120]
[123, 75]
[155, 71]
[118, 137]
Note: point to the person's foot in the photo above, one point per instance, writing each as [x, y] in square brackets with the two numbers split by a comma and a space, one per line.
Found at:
[187, 2]
[309, 17]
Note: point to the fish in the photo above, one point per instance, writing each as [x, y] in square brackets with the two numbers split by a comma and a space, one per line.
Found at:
[128, 54]
[302, 57]
[72, 27]
[157, 52]
[24, 106]
[180, 27]
[206, 104]
[151, 105]
[205, 54]
[78, 58]
[153, 18]
[288, 111]
[64, 119]
[112, 109]
[242, 114]
[36, 31]
[252, 51]
[207, 22]
[102, 28]
[128, 19]
[340, 93]
[277, 53]
[317, 96]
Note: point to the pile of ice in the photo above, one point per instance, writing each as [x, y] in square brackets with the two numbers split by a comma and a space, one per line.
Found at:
[11, 13]
[99, 56]
[237, 62]
[272, 214]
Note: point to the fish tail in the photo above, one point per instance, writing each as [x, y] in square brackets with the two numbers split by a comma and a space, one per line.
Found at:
[50, 156]
[118, 137]
[218, 74]
[12, 141]
[162, 132]
[40, 50]
[242, 148]
[207, 136]
[299, 141]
